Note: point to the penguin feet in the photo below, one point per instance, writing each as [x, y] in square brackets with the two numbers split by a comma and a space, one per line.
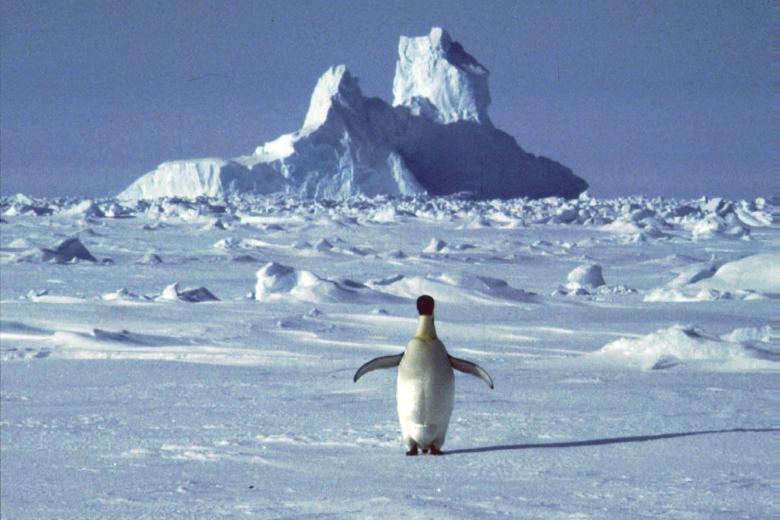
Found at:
[414, 450]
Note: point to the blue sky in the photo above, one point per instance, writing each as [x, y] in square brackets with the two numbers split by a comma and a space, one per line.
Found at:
[661, 98]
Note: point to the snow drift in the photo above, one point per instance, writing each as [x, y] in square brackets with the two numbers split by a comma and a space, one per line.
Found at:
[755, 276]
[278, 282]
[678, 344]
[437, 138]
[452, 288]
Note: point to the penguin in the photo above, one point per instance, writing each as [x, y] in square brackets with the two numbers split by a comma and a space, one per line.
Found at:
[425, 387]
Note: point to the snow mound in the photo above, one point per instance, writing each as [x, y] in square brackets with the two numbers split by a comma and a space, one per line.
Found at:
[193, 295]
[760, 273]
[43, 296]
[683, 295]
[436, 139]
[678, 344]
[764, 334]
[452, 288]
[693, 273]
[150, 259]
[749, 278]
[277, 282]
[716, 226]
[19, 244]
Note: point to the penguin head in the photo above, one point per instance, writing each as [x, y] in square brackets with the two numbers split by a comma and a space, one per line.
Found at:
[425, 305]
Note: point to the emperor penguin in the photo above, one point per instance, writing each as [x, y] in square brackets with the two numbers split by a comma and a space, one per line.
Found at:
[425, 385]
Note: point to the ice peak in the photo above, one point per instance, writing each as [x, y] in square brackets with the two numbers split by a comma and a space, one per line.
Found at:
[436, 78]
[336, 85]
[439, 38]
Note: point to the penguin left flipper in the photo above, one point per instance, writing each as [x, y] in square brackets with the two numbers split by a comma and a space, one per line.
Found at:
[468, 367]
[377, 363]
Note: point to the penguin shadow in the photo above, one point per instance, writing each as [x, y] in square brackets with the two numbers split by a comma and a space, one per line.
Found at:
[604, 441]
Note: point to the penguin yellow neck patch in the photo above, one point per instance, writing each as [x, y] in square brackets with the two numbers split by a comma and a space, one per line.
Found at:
[425, 328]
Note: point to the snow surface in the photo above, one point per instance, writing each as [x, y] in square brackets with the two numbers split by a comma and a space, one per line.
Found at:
[436, 139]
[126, 395]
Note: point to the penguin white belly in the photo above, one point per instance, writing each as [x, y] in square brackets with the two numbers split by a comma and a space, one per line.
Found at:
[425, 393]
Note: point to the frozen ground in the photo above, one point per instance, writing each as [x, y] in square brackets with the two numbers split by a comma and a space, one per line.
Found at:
[645, 387]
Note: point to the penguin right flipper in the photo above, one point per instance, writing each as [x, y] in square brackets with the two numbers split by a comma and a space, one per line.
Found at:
[471, 368]
[377, 363]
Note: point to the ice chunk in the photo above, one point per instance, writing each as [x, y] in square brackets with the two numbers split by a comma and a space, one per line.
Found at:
[436, 245]
[69, 250]
[149, 259]
[195, 295]
[586, 277]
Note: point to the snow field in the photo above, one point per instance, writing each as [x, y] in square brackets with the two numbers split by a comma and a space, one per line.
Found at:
[121, 403]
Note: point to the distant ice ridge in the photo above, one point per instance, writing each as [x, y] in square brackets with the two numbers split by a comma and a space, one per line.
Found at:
[436, 139]
[633, 219]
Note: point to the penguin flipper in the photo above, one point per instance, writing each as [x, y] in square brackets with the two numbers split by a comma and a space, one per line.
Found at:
[467, 367]
[377, 363]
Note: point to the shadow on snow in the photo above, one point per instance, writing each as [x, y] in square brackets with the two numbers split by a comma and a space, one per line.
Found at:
[610, 440]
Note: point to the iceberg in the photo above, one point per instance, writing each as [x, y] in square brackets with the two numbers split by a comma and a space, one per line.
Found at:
[435, 139]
